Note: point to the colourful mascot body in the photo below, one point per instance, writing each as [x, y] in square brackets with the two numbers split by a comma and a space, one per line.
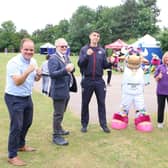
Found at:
[155, 62]
[132, 93]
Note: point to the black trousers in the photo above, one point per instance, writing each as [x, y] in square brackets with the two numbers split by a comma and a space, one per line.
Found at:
[161, 100]
[21, 115]
[109, 74]
[88, 88]
[59, 109]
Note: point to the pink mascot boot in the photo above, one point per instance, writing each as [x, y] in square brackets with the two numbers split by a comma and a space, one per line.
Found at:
[143, 123]
[119, 122]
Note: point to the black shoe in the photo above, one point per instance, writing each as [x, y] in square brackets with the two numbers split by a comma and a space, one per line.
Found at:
[62, 132]
[106, 129]
[60, 140]
[84, 129]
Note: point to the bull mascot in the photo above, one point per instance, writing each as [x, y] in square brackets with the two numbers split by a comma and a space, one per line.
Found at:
[132, 94]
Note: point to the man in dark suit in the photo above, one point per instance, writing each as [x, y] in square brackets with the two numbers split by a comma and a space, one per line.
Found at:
[60, 70]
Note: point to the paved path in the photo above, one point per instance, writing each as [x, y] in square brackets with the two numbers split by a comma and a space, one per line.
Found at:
[113, 99]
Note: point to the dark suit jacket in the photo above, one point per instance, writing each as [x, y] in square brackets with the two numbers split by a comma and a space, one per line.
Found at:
[60, 78]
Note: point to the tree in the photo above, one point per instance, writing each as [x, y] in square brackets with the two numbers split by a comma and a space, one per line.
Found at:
[136, 18]
[62, 29]
[23, 34]
[163, 37]
[147, 17]
[131, 20]
[8, 26]
[107, 23]
[81, 23]
[8, 37]
[36, 36]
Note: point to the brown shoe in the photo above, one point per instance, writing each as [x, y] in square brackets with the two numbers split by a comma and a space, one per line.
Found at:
[26, 149]
[16, 161]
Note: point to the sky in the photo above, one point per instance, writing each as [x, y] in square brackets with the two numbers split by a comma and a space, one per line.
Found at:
[32, 15]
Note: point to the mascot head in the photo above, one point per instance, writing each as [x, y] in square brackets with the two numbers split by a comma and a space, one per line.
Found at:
[134, 61]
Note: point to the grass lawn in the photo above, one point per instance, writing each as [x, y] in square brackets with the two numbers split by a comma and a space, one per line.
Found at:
[95, 149]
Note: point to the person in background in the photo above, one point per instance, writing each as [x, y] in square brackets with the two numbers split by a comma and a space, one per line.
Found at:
[6, 51]
[109, 72]
[45, 76]
[60, 69]
[161, 76]
[114, 66]
[146, 68]
[22, 71]
[116, 61]
[109, 75]
[92, 61]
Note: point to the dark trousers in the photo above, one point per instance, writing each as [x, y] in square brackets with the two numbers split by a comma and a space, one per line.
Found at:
[109, 74]
[59, 109]
[21, 115]
[88, 88]
[161, 100]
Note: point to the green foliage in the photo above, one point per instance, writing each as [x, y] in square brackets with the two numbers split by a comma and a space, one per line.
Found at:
[105, 25]
[81, 23]
[62, 29]
[8, 26]
[132, 19]
[163, 37]
[45, 35]
[8, 36]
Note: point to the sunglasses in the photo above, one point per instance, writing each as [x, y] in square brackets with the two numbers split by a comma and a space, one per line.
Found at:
[63, 46]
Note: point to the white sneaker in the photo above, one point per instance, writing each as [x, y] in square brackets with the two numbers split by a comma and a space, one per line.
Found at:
[160, 125]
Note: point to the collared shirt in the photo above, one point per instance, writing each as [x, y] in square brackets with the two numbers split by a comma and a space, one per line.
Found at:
[16, 66]
[62, 57]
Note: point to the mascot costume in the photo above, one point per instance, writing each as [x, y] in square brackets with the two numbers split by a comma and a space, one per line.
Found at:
[132, 94]
[155, 62]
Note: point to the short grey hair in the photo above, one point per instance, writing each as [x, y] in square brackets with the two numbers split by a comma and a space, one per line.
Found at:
[60, 40]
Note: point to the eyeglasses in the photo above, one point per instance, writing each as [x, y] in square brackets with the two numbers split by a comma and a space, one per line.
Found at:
[64, 46]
